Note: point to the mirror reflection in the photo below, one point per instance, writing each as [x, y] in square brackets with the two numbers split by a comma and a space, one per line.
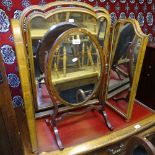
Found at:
[75, 68]
[39, 26]
[84, 20]
[123, 65]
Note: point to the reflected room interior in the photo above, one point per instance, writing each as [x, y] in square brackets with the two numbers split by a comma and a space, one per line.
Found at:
[75, 68]
[126, 49]
[40, 42]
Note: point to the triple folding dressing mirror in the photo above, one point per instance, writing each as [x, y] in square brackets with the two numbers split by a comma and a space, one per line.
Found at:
[71, 63]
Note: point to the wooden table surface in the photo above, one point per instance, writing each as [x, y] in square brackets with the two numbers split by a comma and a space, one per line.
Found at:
[88, 132]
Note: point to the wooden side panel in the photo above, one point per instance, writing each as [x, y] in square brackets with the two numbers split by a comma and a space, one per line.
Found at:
[9, 132]
[4, 142]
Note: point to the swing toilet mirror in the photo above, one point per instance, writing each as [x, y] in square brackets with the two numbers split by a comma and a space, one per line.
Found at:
[74, 65]
[65, 45]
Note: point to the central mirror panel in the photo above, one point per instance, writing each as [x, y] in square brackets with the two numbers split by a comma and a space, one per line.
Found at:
[81, 55]
[75, 68]
[40, 25]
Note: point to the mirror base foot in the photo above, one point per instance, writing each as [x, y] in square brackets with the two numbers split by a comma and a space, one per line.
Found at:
[105, 116]
[56, 133]
[52, 121]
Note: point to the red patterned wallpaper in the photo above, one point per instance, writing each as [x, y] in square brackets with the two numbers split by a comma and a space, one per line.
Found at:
[142, 10]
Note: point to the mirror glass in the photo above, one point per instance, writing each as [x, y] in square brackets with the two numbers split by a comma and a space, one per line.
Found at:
[124, 60]
[39, 27]
[75, 68]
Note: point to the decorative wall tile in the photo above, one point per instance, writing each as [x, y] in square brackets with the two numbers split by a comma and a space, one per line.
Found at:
[117, 7]
[149, 18]
[122, 1]
[25, 3]
[17, 14]
[132, 15]
[107, 6]
[149, 1]
[4, 21]
[145, 8]
[42, 2]
[8, 54]
[132, 1]
[141, 1]
[11, 38]
[122, 15]
[127, 8]
[17, 101]
[153, 8]
[113, 17]
[112, 1]
[150, 37]
[136, 8]
[13, 80]
[140, 18]
[7, 4]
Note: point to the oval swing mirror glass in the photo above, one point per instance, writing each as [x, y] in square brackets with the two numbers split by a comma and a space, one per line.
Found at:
[75, 67]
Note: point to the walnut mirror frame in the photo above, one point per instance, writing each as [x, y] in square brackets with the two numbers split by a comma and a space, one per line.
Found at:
[127, 53]
[23, 44]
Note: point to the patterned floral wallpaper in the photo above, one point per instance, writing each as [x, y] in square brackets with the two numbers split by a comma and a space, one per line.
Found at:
[142, 10]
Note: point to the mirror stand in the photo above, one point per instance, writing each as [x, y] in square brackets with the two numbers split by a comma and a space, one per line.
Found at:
[75, 79]
[54, 118]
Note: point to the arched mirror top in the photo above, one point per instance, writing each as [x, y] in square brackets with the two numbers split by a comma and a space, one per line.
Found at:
[130, 28]
[50, 6]
[82, 17]
[135, 24]
[35, 22]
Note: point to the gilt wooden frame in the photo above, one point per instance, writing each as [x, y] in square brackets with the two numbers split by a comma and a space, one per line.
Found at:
[28, 15]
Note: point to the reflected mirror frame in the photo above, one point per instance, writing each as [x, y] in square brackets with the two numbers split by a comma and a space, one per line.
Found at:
[50, 6]
[50, 14]
[48, 71]
[144, 40]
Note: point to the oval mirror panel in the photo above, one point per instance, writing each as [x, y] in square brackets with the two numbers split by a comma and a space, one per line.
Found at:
[75, 68]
